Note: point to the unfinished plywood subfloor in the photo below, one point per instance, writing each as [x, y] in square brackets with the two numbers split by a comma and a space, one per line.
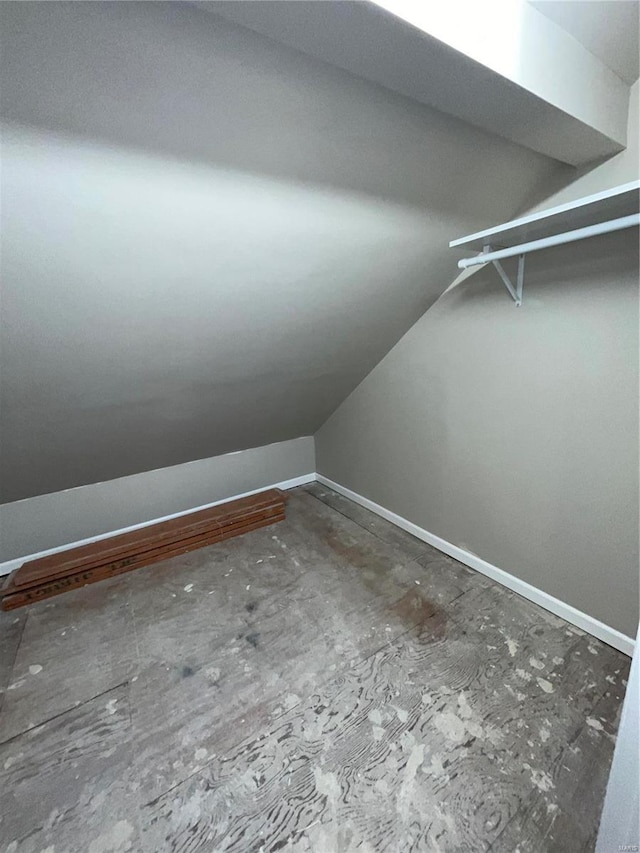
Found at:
[329, 685]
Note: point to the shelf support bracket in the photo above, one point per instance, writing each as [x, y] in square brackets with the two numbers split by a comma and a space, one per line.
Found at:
[516, 292]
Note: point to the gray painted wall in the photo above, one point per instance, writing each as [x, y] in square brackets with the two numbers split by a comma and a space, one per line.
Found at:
[209, 239]
[513, 433]
[621, 169]
[50, 521]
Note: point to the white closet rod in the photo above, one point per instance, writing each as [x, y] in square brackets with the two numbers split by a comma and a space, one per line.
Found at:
[554, 240]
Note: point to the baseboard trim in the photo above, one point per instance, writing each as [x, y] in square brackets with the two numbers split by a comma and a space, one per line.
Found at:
[9, 565]
[565, 611]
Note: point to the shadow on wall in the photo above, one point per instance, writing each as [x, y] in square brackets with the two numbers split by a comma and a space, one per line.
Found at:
[209, 239]
[172, 79]
[555, 184]
[157, 310]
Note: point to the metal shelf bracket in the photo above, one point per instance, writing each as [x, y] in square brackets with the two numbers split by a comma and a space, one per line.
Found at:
[543, 230]
[516, 292]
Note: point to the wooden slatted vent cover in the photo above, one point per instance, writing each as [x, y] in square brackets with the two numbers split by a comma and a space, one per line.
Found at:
[76, 567]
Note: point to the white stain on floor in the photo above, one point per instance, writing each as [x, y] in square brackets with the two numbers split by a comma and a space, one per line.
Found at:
[327, 784]
[407, 789]
[457, 726]
[539, 778]
[451, 726]
[291, 700]
[435, 767]
[375, 716]
[13, 759]
[542, 780]
[512, 646]
[402, 715]
[516, 694]
[115, 840]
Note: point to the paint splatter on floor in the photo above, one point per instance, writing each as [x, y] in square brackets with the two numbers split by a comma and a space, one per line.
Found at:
[371, 695]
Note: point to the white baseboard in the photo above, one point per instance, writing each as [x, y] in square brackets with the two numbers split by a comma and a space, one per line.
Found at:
[560, 608]
[9, 565]
[570, 614]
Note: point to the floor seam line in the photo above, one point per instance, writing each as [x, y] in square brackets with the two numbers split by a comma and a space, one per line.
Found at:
[62, 713]
[15, 658]
[362, 527]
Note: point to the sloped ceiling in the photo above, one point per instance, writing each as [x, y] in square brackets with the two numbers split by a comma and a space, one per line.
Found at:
[609, 29]
[498, 65]
[208, 238]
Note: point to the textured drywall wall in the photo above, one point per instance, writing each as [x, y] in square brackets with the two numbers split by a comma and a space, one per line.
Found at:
[513, 432]
[609, 30]
[208, 239]
[49, 521]
[614, 172]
